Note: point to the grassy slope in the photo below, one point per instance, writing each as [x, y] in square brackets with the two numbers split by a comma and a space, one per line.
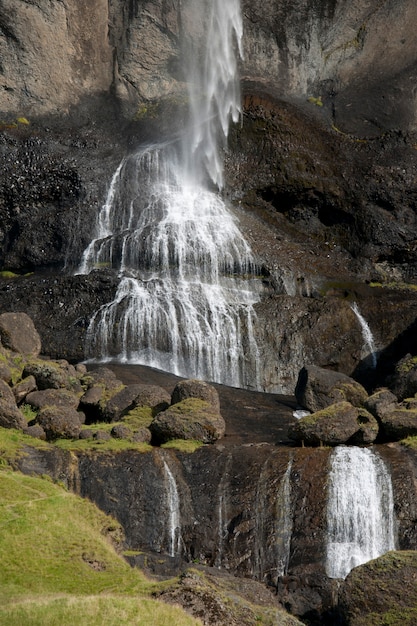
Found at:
[59, 566]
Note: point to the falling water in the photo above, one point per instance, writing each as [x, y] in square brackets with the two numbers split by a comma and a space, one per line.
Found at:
[272, 541]
[367, 335]
[188, 281]
[174, 516]
[360, 510]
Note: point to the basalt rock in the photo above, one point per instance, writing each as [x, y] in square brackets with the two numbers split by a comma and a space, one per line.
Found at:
[381, 590]
[318, 388]
[10, 416]
[196, 389]
[60, 422]
[399, 423]
[337, 424]
[52, 397]
[191, 418]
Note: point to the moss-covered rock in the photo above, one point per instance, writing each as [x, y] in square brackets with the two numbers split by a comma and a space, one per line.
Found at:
[382, 592]
[399, 423]
[191, 418]
[336, 424]
[193, 388]
[318, 388]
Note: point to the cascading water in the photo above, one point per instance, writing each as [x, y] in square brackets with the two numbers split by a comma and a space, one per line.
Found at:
[368, 338]
[187, 277]
[360, 510]
[174, 515]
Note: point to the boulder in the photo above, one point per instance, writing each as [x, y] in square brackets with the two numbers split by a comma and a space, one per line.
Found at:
[381, 402]
[318, 388]
[35, 430]
[336, 424]
[191, 418]
[52, 397]
[22, 389]
[196, 389]
[60, 422]
[10, 416]
[404, 380]
[399, 423]
[18, 333]
[382, 591]
[136, 395]
[53, 374]
[6, 373]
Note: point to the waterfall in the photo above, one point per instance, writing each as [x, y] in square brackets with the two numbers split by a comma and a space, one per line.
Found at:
[367, 335]
[272, 541]
[174, 515]
[360, 510]
[188, 281]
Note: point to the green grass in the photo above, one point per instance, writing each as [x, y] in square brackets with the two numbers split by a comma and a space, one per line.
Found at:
[59, 564]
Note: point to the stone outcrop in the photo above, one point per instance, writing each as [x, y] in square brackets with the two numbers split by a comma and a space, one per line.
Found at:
[390, 592]
[326, 53]
[18, 333]
[191, 418]
[339, 423]
[318, 388]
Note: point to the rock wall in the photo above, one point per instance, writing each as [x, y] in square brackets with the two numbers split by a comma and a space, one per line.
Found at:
[359, 58]
[255, 510]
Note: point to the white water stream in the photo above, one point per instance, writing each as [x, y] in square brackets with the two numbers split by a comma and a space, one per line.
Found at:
[368, 338]
[360, 510]
[174, 515]
[187, 277]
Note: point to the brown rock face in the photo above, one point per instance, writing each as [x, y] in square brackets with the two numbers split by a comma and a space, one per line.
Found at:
[18, 333]
[63, 51]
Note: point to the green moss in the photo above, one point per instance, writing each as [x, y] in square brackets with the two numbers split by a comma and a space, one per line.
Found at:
[183, 445]
[406, 366]
[191, 405]
[316, 101]
[139, 417]
[394, 285]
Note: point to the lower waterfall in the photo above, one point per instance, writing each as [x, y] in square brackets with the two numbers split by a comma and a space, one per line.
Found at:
[360, 510]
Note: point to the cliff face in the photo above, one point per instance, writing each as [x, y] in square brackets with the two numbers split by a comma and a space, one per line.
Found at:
[359, 58]
[256, 510]
[53, 55]
[322, 209]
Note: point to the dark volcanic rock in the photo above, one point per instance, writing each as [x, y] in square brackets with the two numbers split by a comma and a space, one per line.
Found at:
[52, 397]
[60, 422]
[403, 382]
[23, 388]
[196, 389]
[191, 418]
[381, 591]
[10, 416]
[318, 388]
[53, 375]
[336, 424]
[135, 396]
[399, 423]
